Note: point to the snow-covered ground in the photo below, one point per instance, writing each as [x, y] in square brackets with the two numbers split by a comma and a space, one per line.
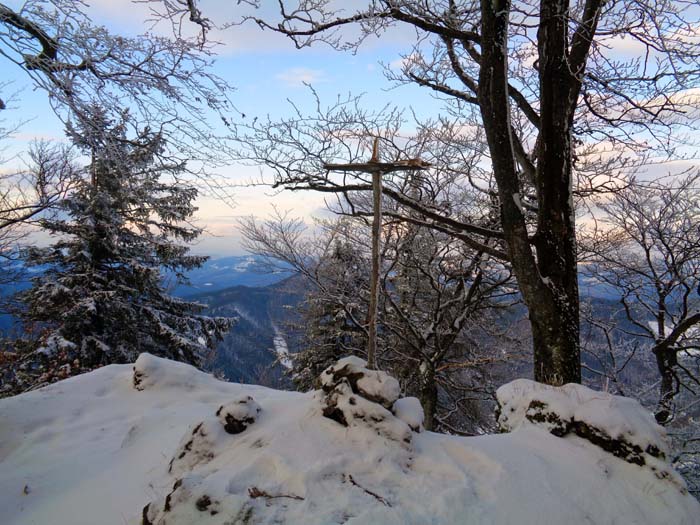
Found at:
[97, 448]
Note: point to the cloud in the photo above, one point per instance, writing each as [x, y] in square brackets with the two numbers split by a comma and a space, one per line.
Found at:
[298, 76]
[627, 46]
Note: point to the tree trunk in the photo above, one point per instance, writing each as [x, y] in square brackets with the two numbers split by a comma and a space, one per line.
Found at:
[428, 395]
[555, 245]
[666, 359]
[548, 282]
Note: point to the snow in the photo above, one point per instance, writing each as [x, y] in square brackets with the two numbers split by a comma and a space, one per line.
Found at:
[518, 202]
[619, 417]
[239, 414]
[55, 343]
[373, 384]
[359, 412]
[244, 264]
[95, 450]
[410, 411]
[281, 349]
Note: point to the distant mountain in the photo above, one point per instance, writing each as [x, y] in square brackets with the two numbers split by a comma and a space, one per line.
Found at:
[225, 272]
[266, 300]
[214, 275]
[254, 350]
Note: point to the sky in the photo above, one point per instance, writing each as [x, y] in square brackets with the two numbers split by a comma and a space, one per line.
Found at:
[267, 72]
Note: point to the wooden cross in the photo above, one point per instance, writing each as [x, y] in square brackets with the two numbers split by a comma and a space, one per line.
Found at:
[377, 169]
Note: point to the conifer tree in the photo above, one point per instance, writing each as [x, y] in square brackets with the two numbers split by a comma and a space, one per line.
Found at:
[333, 313]
[101, 298]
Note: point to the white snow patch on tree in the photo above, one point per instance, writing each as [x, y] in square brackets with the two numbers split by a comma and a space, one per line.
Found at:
[282, 350]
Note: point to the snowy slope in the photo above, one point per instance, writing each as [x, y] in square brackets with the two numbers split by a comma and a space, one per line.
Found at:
[95, 450]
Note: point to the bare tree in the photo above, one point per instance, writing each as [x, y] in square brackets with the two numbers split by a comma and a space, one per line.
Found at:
[28, 196]
[647, 250]
[546, 82]
[166, 82]
[439, 301]
[438, 297]
[332, 319]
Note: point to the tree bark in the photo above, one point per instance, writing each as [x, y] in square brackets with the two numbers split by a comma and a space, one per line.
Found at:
[428, 395]
[548, 281]
[556, 234]
[376, 264]
[666, 359]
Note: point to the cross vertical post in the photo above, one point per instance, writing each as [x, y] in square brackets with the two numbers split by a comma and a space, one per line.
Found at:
[378, 169]
[376, 261]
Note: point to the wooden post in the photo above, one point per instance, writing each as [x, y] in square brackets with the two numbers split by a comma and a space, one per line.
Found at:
[377, 169]
[376, 268]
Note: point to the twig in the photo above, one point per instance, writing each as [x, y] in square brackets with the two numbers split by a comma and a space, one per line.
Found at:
[373, 494]
[255, 492]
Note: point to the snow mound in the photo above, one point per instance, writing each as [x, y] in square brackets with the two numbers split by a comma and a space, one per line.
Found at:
[373, 385]
[618, 425]
[410, 411]
[349, 409]
[197, 446]
[239, 414]
[205, 440]
[94, 450]
[355, 396]
[562, 410]
[151, 371]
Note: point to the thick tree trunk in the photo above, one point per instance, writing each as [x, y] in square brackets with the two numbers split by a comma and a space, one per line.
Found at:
[556, 236]
[428, 395]
[548, 282]
[666, 359]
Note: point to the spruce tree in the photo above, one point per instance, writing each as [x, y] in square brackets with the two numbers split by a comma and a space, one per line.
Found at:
[332, 314]
[101, 298]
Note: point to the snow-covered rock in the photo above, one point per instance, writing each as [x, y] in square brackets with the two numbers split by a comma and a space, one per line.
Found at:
[353, 395]
[567, 409]
[197, 446]
[350, 409]
[618, 425]
[204, 441]
[373, 385]
[410, 411]
[149, 372]
[239, 414]
[94, 450]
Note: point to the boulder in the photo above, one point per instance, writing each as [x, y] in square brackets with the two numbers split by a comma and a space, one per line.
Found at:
[239, 414]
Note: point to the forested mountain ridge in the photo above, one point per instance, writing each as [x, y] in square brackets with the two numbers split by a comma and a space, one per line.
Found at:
[250, 351]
